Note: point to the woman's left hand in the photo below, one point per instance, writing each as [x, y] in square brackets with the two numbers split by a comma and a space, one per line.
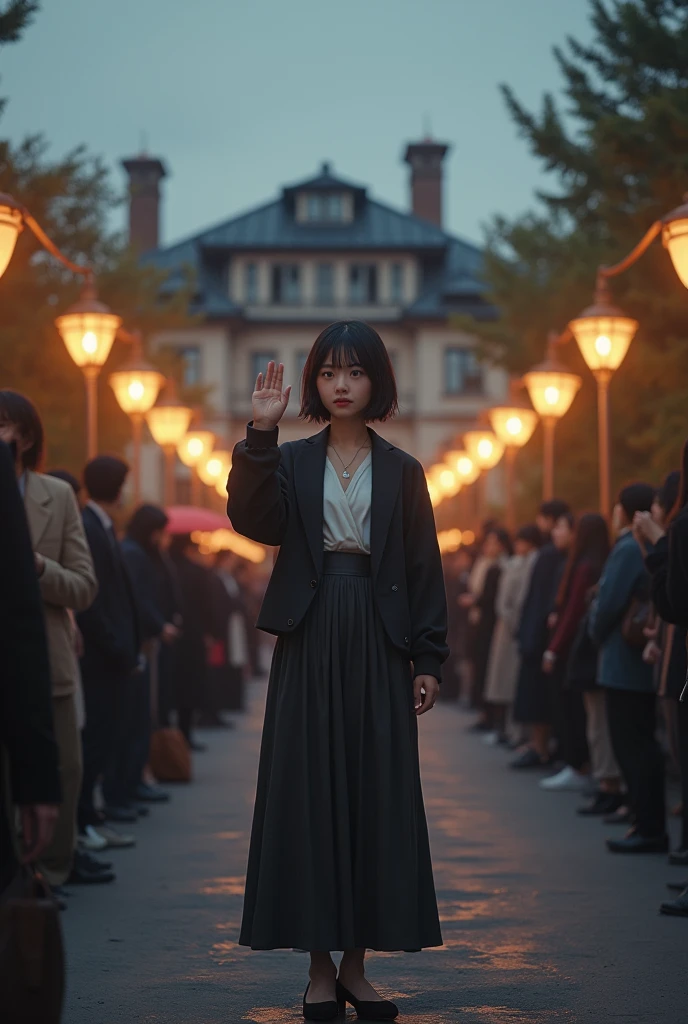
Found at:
[423, 701]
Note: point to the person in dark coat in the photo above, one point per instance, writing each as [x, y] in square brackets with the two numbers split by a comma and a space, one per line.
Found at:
[112, 643]
[533, 704]
[27, 741]
[198, 621]
[339, 856]
[628, 681]
[668, 565]
[141, 550]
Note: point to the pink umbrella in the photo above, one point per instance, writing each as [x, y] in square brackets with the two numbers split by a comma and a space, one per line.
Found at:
[188, 518]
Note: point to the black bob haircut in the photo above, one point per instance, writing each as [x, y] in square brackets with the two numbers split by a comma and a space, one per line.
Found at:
[20, 411]
[350, 343]
[104, 477]
[555, 509]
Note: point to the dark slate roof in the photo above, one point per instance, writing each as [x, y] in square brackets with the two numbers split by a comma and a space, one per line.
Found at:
[376, 227]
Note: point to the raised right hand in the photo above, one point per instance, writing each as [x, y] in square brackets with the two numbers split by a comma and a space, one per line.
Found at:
[269, 400]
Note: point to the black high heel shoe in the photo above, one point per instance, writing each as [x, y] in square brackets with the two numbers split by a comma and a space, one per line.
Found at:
[320, 1011]
[369, 1009]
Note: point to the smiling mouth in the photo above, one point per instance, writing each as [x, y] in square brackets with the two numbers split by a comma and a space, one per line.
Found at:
[342, 401]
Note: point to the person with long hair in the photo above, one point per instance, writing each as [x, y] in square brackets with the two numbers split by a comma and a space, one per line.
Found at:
[587, 556]
[339, 856]
[668, 564]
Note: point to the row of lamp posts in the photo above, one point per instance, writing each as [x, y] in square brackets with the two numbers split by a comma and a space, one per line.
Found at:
[603, 334]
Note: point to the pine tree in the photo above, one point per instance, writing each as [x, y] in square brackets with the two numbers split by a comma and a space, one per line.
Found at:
[619, 156]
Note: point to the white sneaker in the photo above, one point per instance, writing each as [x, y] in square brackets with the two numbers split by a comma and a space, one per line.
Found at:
[114, 839]
[90, 839]
[567, 779]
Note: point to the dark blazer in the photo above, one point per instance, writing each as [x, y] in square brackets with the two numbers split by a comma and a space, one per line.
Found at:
[27, 744]
[110, 627]
[533, 632]
[276, 497]
[143, 573]
[198, 617]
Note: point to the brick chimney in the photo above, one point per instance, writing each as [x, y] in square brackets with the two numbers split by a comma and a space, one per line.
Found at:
[425, 160]
[145, 174]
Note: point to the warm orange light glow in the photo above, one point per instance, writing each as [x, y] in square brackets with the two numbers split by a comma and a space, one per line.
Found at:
[484, 447]
[195, 445]
[675, 239]
[168, 423]
[136, 389]
[512, 425]
[215, 467]
[603, 339]
[551, 390]
[445, 479]
[468, 538]
[88, 330]
[464, 465]
[226, 540]
[10, 226]
[449, 540]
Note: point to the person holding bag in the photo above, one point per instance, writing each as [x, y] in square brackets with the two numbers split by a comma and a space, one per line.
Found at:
[339, 856]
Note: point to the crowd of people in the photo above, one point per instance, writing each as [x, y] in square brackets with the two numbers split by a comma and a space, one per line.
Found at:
[570, 644]
[146, 639]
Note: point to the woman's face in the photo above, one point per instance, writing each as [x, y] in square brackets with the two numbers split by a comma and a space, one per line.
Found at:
[522, 547]
[492, 546]
[562, 534]
[344, 390]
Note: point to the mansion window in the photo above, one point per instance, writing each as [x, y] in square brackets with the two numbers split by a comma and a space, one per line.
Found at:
[286, 284]
[191, 358]
[324, 284]
[362, 283]
[251, 284]
[259, 364]
[396, 282]
[462, 372]
[325, 207]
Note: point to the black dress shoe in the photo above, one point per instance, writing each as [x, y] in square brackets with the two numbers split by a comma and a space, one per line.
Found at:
[621, 817]
[86, 860]
[82, 876]
[146, 793]
[369, 1009]
[320, 1011]
[677, 886]
[530, 759]
[141, 810]
[677, 907]
[124, 815]
[679, 858]
[604, 803]
[635, 843]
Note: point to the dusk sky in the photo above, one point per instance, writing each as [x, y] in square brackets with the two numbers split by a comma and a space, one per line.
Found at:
[241, 98]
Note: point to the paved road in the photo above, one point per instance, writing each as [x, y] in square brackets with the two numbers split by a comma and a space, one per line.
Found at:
[541, 925]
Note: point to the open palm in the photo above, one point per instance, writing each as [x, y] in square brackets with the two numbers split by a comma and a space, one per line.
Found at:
[269, 400]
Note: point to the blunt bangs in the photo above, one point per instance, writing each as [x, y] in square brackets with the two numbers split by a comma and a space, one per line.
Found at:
[350, 343]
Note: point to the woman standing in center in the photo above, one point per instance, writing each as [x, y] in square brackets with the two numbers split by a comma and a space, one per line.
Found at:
[339, 856]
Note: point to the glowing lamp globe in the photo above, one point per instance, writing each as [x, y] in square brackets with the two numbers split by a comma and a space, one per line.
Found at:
[11, 224]
[466, 467]
[195, 445]
[603, 333]
[484, 447]
[215, 468]
[88, 329]
[435, 493]
[513, 425]
[445, 479]
[552, 388]
[136, 387]
[221, 485]
[169, 419]
[675, 239]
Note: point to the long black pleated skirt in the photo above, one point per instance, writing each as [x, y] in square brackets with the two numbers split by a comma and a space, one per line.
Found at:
[339, 855]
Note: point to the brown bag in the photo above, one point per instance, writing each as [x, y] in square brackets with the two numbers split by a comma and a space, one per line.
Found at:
[31, 952]
[170, 757]
[637, 618]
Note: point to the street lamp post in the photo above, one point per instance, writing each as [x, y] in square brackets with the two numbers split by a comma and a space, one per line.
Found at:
[552, 388]
[513, 424]
[215, 468]
[136, 385]
[168, 421]
[193, 448]
[486, 449]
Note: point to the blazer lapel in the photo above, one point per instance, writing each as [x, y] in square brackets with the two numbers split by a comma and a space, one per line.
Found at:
[37, 500]
[387, 469]
[309, 475]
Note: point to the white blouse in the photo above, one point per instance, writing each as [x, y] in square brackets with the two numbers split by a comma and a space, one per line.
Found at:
[346, 514]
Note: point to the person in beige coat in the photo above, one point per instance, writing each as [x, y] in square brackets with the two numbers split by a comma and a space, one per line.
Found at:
[67, 583]
[504, 663]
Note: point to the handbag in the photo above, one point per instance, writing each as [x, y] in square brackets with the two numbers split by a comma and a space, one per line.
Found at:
[637, 617]
[170, 757]
[32, 971]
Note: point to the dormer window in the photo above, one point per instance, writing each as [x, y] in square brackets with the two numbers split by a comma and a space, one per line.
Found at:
[324, 207]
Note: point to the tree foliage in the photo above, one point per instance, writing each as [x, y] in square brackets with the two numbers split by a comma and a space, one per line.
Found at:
[73, 199]
[616, 147]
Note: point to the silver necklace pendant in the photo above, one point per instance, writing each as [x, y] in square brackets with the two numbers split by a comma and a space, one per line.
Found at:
[346, 474]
